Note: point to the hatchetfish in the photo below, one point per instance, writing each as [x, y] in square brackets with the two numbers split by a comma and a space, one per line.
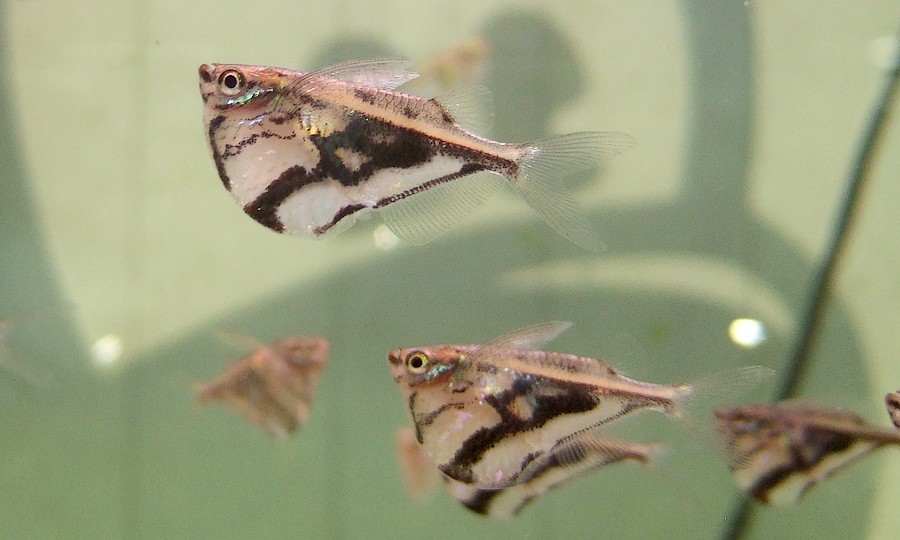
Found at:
[308, 153]
[487, 415]
[892, 402]
[779, 452]
[274, 386]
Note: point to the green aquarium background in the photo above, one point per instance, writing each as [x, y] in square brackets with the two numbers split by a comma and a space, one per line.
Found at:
[123, 260]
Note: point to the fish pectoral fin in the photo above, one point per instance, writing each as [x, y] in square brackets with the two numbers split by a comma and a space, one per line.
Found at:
[471, 106]
[383, 73]
[545, 163]
[420, 218]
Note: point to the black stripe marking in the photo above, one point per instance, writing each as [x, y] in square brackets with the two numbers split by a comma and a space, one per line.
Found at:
[232, 150]
[480, 501]
[264, 208]
[382, 144]
[574, 400]
[465, 170]
[338, 216]
[217, 158]
[812, 449]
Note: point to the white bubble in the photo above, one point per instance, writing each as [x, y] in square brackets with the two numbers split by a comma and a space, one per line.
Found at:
[384, 238]
[107, 351]
[748, 333]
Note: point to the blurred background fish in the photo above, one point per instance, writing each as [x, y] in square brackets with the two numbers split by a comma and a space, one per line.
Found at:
[459, 66]
[892, 402]
[419, 475]
[274, 386]
[778, 452]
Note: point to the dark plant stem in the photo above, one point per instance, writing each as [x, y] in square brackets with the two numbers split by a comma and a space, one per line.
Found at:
[818, 304]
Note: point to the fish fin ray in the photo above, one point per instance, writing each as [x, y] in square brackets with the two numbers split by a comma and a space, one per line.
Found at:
[420, 218]
[383, 73]
[697, 400]
[471, 106]
[531, 337]
[544, 162]
[594, 449]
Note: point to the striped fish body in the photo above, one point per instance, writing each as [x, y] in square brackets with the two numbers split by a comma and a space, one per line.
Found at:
[486, 414]
[308, 153]
[779, 452]
[552, 472]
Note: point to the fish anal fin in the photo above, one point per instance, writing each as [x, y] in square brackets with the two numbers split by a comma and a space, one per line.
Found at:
[594, 449]
[420, 218]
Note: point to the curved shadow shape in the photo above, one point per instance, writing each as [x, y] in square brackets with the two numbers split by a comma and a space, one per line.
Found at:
[448, 291]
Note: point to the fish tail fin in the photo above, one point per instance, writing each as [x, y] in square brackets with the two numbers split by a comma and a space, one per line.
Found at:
[545, 163]
[697, 400]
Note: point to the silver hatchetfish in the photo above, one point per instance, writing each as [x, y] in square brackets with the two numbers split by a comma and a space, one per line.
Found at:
[572, 460]
[487, 415]
[308, 153]
[778, 452]
[275, 385]
[892, 402]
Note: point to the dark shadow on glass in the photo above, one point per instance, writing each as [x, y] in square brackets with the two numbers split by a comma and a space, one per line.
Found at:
[448, 291]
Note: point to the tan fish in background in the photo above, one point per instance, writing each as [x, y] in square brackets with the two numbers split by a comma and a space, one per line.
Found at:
[459, 66]
[489, 415]
[308, 153]
[274, 386]
[779, 452]
[418, 473]
[892, 402]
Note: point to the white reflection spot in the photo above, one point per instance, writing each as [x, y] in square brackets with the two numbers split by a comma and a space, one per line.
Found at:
[384, 238]
[748, 333]
[107, 350]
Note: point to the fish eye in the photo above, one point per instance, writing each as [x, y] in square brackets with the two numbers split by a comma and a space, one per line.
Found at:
[230, 82]
[416, 362]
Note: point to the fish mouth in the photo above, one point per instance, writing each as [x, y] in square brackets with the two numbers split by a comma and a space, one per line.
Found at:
[394, 357]
[206, 72]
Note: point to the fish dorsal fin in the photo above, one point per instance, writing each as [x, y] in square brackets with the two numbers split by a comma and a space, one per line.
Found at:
[471, 106]
[383, 73]
[531, 337]
[420, 218]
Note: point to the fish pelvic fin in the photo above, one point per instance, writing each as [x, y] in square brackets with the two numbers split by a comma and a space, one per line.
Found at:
[545, 163]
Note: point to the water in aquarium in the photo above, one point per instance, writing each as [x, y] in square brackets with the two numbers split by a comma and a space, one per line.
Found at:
[494, 269]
